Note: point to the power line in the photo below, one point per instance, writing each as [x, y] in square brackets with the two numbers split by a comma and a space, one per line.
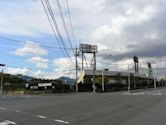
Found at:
[15, 56]
[43, 45]
[68, 10]
[49, 8]
[52, 26]
[55, 23]
[63, 21]
[45, 10]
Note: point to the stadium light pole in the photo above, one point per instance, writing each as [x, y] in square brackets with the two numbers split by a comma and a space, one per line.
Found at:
[129, 83]
[102, 78]
[154, 79]
[2, 65]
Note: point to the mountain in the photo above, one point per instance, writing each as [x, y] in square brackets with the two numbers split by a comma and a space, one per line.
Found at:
[67, 80]
[24, 77]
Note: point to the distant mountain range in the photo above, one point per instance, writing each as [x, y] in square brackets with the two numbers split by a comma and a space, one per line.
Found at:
[63, 78]
[24, 77]
[67, 80]
[28, 78]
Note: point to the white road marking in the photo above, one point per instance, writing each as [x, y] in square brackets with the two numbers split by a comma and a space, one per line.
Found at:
[10, 122]
[126, 93]
[138, 93]
[18, 111]
[1, 108]
[7, 122]
[154, 93]
[40, 116]
[61, 121]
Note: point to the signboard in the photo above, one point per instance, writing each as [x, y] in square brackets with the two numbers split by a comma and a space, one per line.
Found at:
[44, 84]
[33, 87]
[86, 48]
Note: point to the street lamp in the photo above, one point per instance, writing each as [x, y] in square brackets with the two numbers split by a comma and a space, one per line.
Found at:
[2, 78]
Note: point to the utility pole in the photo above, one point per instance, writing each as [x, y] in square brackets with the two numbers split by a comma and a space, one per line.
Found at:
[94, 73]
[76, 63]
[2, 78]
[2, 81]
[82, 61]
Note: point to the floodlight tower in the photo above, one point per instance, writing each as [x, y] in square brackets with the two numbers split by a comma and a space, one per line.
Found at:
[136, 60]
[150, 71]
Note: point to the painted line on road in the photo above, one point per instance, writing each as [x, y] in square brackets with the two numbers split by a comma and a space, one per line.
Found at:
[61, 121]
[40, 116]
[7, 122]
[10, 122]
[2, 108]
[18, 111]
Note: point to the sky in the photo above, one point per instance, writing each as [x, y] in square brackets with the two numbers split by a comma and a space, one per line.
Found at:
[121, 28]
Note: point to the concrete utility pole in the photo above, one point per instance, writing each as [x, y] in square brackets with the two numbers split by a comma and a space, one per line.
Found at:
[94, 73]
[2, 78]
[129, 84]
[76, 55]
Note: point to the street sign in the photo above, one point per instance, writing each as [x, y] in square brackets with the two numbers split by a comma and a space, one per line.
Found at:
[33, 87]
[44, 84]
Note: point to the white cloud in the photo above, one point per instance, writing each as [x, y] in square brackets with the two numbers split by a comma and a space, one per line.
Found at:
[15, 71]
[54, 74]
[30, 49]
[27, 19]
[39, 62]
[117, 27]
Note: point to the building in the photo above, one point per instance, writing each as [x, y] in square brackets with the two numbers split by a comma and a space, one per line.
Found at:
[116, 78]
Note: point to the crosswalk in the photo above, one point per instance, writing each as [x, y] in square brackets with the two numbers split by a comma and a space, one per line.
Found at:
[151, 92]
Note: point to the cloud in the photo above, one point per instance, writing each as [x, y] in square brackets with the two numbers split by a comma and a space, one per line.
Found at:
[134, 28]
[30, 49]
[28, 19]
[15, 71]
[121, 28]
[39, 62]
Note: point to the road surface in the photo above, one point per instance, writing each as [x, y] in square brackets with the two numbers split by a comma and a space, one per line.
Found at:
[116, 108]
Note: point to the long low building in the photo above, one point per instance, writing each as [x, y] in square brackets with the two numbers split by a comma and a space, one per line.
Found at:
[114, 77]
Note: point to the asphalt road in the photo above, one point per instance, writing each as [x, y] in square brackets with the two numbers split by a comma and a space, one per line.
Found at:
[116, 108]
